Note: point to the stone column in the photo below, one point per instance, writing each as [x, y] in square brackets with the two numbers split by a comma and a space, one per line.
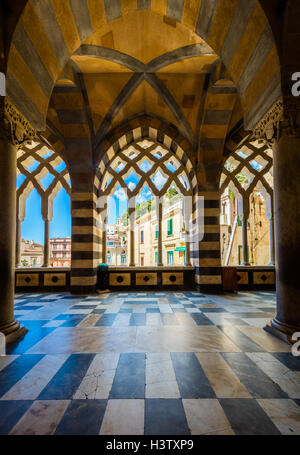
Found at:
[14, 131]
[18, 241]
[272, 240]
[104, 245]
[287, 230]
[244, 231]
[160, 233]
[47, 215]
[280, 129]
[131, 211]
[187, 213]
[46, 242]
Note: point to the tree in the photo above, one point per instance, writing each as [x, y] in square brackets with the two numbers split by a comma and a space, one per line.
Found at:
[25, 263]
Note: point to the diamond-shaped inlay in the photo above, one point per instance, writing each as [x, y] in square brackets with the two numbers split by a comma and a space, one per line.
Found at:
[263, 277]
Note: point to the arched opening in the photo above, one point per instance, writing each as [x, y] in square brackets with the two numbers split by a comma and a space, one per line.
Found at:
[246, 189]
[43, 208]
[151, 228]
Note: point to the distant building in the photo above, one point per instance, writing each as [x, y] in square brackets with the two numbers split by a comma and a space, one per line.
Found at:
[32, 254]
[116, 244]
[60, 252]
[173, 236]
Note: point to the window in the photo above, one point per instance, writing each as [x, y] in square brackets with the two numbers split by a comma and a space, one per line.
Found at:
[170, 258]
[142, 260]
[108, 259]
[246, 185]
[123, 259]
[156, 257]
[158, 178]
[170, 226]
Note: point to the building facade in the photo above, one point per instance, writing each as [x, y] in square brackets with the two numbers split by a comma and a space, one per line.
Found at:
[60, 252]
[32, 254]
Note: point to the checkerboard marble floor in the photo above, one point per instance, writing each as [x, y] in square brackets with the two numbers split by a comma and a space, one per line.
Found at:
[164, 363]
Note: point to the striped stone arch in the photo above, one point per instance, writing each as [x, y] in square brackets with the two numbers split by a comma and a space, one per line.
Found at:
[146, 126]
[50, 32]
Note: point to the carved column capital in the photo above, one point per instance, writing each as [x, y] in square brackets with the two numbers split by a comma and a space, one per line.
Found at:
[290, 122]
[282, 120]
[268, 128]
[13, 125]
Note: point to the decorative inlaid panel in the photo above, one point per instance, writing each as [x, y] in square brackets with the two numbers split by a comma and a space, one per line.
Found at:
[27, 279]
[119, 279]
[172, 278]
[263, 277]
[54, 279]
[146, 279]
[242, 277]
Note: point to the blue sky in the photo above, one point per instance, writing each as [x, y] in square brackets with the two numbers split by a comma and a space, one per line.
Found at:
[33, 225]
[118, 203]
[60, 226]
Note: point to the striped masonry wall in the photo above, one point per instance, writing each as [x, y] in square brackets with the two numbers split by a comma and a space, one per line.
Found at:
[86, 243]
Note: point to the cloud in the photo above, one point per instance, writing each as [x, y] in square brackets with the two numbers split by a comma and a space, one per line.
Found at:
[159, 180]
[131, 186]
[120, 194]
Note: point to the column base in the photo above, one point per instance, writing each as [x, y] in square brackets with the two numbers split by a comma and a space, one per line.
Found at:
[282, 331]
[13, 331]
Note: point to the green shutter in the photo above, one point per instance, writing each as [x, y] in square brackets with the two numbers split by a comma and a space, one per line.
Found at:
[156, 231]
[170, 226]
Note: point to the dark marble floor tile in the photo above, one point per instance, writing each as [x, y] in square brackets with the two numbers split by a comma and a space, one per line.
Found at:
[84, 307]
[257, 382]
[247, 417]
[201, 319]
[68, 378]
[11, 412]
[137, 319]
[191, 379]
[152, 310]
[82, 417]
[74, 320]
[240, 339]
[129, 380]
[165, 417]
[29, 340]
[30, 308]
[13, 372]
[213, 310]
[106, 320]
[289, 360]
